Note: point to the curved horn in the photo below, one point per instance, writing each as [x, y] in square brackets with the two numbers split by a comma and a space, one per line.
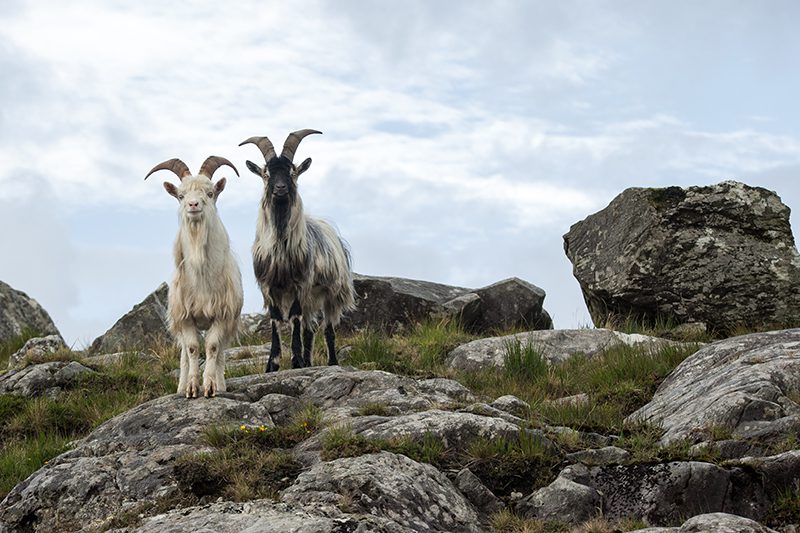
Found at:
[173, 165]
[211, 165]
[292, 141]
[263, 144]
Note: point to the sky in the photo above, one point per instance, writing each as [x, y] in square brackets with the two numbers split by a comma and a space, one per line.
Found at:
[460, 139]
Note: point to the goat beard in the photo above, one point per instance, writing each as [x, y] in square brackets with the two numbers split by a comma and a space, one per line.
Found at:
[281, 213]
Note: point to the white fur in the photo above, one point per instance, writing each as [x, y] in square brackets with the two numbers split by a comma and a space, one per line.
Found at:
[206, 290]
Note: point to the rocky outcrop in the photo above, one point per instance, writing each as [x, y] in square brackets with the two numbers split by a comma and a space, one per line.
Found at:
[45, 379]
[141, 327]
[413, 495]
[555, 346]
[563, 500]
[35, 349]
[723, 255]
[664, 493]
[129, 459]
[20, 314]
[394, 304]
[747, 386]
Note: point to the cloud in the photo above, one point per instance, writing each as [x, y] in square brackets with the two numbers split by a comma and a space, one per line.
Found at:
[460, 142]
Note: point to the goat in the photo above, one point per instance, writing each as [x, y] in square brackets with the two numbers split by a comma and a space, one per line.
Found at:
[301, 263]
[206, 291]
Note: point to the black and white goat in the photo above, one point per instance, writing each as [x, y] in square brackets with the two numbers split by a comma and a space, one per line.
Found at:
[301, 264]
[206, 291]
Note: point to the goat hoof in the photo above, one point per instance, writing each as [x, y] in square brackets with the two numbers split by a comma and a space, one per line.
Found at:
[272, 367]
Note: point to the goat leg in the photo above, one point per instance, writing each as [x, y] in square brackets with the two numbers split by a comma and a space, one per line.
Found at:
[330, 342]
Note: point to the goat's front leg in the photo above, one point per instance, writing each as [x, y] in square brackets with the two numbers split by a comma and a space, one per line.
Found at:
[296, 318]
[275, 348]
[189, 381]
[214, 373]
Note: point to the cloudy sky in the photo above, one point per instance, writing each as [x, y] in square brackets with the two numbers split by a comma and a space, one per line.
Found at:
[461, 139]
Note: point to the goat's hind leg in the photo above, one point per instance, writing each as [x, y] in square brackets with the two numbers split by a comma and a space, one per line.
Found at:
[309, 327]
[330, 343]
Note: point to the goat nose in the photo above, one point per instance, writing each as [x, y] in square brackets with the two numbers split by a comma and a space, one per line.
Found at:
[194, 203]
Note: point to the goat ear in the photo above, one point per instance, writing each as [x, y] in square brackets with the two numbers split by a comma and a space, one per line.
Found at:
[255, 169]
[302, 167]
[219, 186]
[171, 189]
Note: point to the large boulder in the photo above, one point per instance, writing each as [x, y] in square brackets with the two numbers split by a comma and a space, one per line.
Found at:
[20, 314]
[395, 304]
[747, 386]
[556, 346]
[142, 326]
[414, 495]
[723, 255]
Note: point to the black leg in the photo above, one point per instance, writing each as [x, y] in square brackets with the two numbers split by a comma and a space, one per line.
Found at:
[308, 345]
[297, 345]
[330, 342]
[275, 349]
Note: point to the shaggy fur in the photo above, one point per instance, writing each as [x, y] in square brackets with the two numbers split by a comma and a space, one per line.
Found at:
[301, 264]
[206, 290]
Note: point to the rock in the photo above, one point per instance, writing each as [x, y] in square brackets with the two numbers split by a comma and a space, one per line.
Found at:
[141, 327]
[555, 346]
[512, 405]
[483, 409]
[254, 325]
[576, 400]
[44, 379]
[723, 255]
[415, 496]
[20, 314]
[664, 493]
[36, 348]
[256, 516]
[713, 523]
[511, 303]
[393, 304]
[476, 492]
[563, 501]
[744, 384]
[345, 387]
[608, 455]
[127, 460]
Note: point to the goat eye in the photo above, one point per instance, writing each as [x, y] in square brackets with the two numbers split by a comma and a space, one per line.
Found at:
[211, 195]
[180, 197]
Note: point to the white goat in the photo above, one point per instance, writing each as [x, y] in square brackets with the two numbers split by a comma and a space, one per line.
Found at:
[301, 264]
[206, 291]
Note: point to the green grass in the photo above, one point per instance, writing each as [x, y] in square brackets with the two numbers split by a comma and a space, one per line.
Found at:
[248, 462]
[37, 429]
[419, 353]
[785, 509]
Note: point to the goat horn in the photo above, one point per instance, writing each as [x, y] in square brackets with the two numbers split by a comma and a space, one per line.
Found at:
[263, 144]
[174, 165]
[211, 165]
[292, 141]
